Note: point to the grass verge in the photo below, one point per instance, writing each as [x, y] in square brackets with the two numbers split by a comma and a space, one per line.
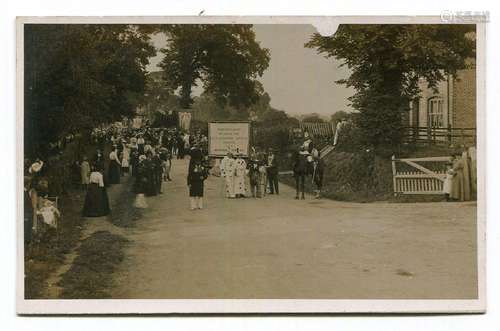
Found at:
[90, 276]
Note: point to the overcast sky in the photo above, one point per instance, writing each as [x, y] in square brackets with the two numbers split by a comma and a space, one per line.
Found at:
[298, 79]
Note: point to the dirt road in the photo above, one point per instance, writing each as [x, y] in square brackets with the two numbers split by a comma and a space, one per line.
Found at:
[278, 247]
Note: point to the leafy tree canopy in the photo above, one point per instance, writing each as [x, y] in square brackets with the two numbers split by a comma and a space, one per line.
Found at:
[80, 75]
[339, 116]
[314, 118]
[386, 63]
[225, 58]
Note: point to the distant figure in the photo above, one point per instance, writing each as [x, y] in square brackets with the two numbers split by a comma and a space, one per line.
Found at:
[180, 147]
[239, 176]
[338, 129]
[141, 183]
[98, 160]
[308, 144]
[227, 168]
[318, 167]
[460, 189]
[272, 172]
[254, 176]
[125, 159]
[50, 214]
[140, 144]
[166, 163]
[30, 202]
[85, 172]
[262, 175]
[149, 164]
[114, 167]
[300, 171]
[96, 201]
[448, 182]
[197, 173]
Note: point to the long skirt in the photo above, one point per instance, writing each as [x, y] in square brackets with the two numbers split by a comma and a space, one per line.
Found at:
[114, 173]
[239, 185]
[96, 202]
[140, 201]
[151, 185]
[196, 188]
[229, 181]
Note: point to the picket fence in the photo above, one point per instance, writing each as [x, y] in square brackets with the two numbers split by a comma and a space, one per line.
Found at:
[318, 129]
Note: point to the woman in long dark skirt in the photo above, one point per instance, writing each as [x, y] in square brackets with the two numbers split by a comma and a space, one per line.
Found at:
[197, 174]
[150, 175]
[134, 161]
[96, 201]
[114, 167]
[300, 171]
[141, 183]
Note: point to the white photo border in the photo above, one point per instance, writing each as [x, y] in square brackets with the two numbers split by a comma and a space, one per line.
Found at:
[252, 306]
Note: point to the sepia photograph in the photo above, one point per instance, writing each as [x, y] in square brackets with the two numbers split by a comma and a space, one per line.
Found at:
[287, 165]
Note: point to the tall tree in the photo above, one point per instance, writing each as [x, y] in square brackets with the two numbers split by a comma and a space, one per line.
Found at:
[226, 59]
[80, 75]
[386, 63]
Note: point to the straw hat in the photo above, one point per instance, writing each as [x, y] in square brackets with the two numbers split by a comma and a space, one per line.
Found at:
[36, 167]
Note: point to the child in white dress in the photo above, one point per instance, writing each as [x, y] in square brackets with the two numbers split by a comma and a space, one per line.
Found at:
[50, 214]
[448, 181]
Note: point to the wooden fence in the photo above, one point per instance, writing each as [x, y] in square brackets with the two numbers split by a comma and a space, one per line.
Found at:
[318, 129]
[443, 136]
[410, 176]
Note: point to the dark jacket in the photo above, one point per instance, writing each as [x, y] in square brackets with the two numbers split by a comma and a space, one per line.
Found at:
[300, 164]
[318, 169]
[272, 166]
[197, 174]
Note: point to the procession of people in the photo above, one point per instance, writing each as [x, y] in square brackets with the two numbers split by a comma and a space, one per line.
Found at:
[145, 155]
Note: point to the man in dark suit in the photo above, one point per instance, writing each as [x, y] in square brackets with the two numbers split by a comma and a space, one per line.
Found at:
[272, 172]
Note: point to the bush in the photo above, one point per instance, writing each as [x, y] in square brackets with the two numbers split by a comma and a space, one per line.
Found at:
[359, 177]
[271, 137]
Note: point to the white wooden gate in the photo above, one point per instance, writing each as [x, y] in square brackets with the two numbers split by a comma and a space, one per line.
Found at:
[410, 176]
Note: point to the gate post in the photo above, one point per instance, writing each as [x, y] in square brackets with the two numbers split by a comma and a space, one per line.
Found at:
[394, 175]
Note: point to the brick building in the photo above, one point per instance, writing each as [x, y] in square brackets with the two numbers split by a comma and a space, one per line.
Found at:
[448, 114]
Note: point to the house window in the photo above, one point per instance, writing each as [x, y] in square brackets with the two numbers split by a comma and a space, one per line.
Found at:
[435, 113]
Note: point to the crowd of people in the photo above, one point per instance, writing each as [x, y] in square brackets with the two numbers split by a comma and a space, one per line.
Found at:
[45, 180]
[262, 169]
[144, 153]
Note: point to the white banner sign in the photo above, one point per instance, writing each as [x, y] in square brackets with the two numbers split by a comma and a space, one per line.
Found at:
[228, 136]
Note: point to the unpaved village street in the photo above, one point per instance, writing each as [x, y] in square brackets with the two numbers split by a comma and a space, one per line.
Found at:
[278, 247]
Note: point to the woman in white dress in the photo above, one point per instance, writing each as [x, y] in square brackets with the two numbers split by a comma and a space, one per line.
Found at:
[114, 167]
[227, 169]
[239, 177]
[125, 158]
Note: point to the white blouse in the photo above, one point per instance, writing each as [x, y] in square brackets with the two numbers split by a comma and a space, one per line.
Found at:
[96, 178]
